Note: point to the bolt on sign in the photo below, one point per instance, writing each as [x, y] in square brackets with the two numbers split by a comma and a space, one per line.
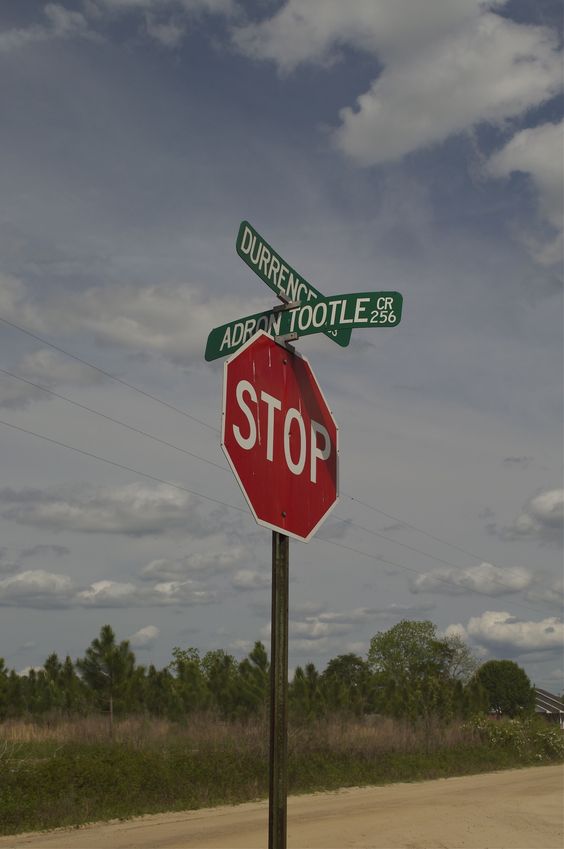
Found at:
[279, 275]
[279, 437]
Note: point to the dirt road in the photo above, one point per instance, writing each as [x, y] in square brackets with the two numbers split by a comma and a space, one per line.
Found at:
[517, 809]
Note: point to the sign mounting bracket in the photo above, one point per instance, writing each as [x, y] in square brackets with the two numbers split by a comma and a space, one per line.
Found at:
[286, 339]
[287, 305]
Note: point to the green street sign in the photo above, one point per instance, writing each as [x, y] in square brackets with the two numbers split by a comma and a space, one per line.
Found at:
[279, 276]
[362, 309]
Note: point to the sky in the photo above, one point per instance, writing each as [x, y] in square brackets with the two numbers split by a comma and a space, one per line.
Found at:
[377, 145]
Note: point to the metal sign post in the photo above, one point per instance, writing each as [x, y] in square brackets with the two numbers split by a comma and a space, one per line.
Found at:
[278, 765]
[281, 441]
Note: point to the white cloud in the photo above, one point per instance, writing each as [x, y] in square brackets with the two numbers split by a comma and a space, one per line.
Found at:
[542, 518]
[490, 71]
[47, 367]
[15, 302]
[64, 21]
[23, 673]
[448, 65]
[37, 589]
[196, 564]
[144, 638]
[14, 395]
[500, 631]
[314, 30]
[135, 509]
[241, 646]
[459, 630]
[359, 647]
[115, 594]
[314, 628]
[108, 594]
[181, 592]
[349, 617]
[58, 21]
[169, 33]
[166, 21]
[307, 608]
[41, 550]
[213, 6]
[249, 579]
[537, 151]
[322, 647]
[554, 594]
[61, 23]
[485, 578]
[43, 368]
[171, 321]
[10, 565]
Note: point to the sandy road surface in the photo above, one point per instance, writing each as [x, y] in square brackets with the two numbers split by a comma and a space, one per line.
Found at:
[518, 809]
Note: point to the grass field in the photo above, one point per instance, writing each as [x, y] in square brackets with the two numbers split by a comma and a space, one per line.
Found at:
[69, 772]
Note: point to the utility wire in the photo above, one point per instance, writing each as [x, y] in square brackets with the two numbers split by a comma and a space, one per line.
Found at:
[224, 468]
[413, 527]
[121, 466]
[111, 419]
[416, 571]
[397, 542]
[211, 427]
[93, 456]
[412, 548]
[107, 374]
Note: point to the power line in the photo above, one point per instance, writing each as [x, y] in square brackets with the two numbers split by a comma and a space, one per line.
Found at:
[114, 463]
[225, 469]
[107, 374]
[397, 542]
[413, 527]
[412, 548]
[121, 466]
[216, 430]
[372, 507]
[111, 419]
[419, 530]
[415, 571]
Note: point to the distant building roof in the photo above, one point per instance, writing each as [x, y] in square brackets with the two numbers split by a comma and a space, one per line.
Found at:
[546, 702]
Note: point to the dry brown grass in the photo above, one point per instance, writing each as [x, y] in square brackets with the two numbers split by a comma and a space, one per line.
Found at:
[372, 735]
[377, 734]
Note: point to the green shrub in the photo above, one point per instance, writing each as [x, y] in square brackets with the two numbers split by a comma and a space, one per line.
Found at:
[45, 783]
[533, 737]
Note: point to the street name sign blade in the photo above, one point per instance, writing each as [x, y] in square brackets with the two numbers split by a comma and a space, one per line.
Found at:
[278, 275]
[352, 310]
[279, 437]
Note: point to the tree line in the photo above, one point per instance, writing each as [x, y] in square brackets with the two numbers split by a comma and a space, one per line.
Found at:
[410, 672]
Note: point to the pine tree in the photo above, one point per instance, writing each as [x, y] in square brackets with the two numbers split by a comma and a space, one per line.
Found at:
[107, 669]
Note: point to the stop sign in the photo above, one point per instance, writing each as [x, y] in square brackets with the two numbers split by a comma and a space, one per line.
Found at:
[280, 437]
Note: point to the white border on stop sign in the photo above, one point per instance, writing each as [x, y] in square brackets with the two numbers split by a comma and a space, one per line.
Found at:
[242, 488]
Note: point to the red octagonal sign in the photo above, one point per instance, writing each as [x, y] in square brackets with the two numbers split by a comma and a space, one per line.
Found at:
[280, 437]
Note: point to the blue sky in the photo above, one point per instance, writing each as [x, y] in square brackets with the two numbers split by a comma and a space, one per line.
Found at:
[377, 146]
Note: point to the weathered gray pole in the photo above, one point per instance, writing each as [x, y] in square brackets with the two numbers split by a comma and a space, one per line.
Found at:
[278, 769]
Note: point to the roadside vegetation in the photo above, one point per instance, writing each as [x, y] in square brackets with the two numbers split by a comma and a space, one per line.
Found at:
[104, 737]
